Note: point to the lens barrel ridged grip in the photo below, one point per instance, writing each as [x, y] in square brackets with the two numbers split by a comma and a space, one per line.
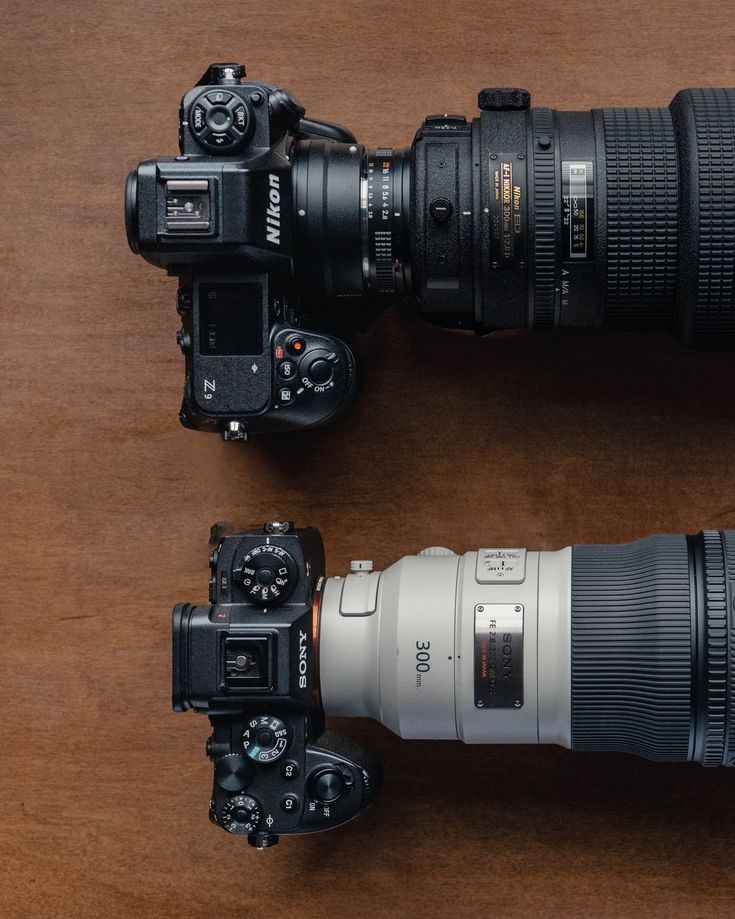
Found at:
[641, 186]
[544, 226]
[632, 648]
[710, 748]
[728, 547]
[705, 126]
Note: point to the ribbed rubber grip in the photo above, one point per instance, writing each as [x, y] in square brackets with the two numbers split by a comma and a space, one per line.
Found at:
[705, 127]
[642, 217]
[632, 642]
[544, 224]
[728, 545]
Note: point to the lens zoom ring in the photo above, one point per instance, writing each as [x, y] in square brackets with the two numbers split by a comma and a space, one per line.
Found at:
[543, 270]
[714, 682]
[642, 217]
[728, 546]
[713, 322]
[632, 648]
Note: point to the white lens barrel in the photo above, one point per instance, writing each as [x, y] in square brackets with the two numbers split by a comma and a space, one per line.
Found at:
[475, 647]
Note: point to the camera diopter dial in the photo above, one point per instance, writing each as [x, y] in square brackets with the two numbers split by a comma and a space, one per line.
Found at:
[269, 574]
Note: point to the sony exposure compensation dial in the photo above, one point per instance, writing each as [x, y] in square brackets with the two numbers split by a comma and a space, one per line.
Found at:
[269, 574]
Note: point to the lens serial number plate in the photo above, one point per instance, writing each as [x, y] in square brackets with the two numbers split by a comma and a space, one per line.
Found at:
[499, 655]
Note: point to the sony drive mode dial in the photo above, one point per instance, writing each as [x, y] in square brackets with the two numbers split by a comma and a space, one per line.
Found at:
[269, 574]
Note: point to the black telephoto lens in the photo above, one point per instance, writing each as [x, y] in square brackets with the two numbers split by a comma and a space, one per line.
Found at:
[532, 217]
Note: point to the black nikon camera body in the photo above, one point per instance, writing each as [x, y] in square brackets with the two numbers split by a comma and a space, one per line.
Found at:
[250, 662]
[221, 217]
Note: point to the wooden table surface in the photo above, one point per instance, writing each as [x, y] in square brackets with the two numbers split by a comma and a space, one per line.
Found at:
[518, 439]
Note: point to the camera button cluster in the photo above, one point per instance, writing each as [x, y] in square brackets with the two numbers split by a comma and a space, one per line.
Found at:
[218, 120]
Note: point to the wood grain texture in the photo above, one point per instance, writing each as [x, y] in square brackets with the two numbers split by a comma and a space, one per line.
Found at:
[520, 439]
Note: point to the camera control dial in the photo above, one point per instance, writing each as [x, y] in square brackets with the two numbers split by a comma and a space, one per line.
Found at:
[269, 574]
[241, 815]
[265, 738]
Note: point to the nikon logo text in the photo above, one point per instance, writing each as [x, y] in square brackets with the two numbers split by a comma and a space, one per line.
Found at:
[273, 214]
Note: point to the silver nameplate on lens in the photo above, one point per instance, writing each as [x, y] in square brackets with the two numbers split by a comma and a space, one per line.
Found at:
[498, 655]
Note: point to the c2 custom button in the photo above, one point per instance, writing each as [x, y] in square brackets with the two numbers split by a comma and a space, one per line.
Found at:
[287, 370]
[290, 770]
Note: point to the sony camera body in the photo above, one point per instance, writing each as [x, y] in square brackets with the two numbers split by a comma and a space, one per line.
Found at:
[220, 216]
[249, 661]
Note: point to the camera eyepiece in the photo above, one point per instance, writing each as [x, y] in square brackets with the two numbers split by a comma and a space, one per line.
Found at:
[131, 211]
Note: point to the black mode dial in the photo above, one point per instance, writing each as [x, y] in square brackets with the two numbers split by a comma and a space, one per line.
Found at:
[269, 574]
[241, 815]
[265, 738]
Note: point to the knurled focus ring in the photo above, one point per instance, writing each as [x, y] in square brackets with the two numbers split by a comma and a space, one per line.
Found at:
[714, 681]
[728, 545]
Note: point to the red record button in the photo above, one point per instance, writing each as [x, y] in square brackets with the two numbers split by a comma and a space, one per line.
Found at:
[295, 345]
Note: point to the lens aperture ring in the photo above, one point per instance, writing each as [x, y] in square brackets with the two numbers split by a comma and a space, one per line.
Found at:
[544, 224]
[714, 681]
[384, 219]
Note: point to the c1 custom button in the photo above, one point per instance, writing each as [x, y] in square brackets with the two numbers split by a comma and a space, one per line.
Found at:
[296, 345]
[219, 97]
[290, 770]
[285, 395]
[289, 804]
[441, 209]
[287, 370]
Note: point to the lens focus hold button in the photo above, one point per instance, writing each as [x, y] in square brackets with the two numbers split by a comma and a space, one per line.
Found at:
[441, 209]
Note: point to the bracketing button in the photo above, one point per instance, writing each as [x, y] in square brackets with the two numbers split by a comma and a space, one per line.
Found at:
[296, 345]
[198, 119]
[240, 116]
[219, 97]
[289, 804]
[285, 395]
[287, 370]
